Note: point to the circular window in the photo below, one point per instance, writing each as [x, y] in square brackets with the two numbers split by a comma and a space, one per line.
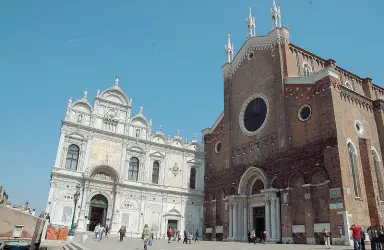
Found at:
[250, 56]
[218, 147]
[359, 127]
[304, 112]
[253, 114]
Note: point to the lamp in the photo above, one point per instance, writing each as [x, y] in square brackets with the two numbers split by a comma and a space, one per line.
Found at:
[75, 198]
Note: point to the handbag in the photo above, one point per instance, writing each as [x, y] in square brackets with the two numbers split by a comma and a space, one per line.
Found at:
[150, 242]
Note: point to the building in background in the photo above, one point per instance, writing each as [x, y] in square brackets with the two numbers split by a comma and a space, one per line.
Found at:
[127, 174]
[298, 147]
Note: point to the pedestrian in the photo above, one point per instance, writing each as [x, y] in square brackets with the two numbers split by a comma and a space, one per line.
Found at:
[253, 236]
[146, 236]
[97, 230]
[362, 235]
[122, 232]
[106, 231]
[190, 237]
[169, 234]
[327, 239]
[101, 231]
[249, 237]
[185, 240]
[264, 237]
[178, 236]
[197, 236]
[356, 236]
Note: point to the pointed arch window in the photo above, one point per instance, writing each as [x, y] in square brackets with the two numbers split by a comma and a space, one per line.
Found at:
[72, 157]
[133, 172]
[155, 172]
[192, 179]
[353, 167]
[376, 162]
[307, 69]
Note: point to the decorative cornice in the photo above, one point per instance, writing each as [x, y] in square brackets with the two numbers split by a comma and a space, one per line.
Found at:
[254, 43]
[355, 98]
[120, 137]
[312, 79]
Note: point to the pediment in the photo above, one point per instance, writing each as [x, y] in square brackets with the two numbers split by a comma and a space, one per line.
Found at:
[174, 211]
[157, 154]
[136, 149]
[76, 136]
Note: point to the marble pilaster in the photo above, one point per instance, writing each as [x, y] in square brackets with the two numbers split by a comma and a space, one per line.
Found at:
[273, 217]
[234, 219]
[245, 221]
[268, 218]
[278, 223]
[230, 221]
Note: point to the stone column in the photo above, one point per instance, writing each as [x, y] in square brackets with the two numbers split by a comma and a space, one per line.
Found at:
[245, 221]
[230, 228]
[278, 223]
[82, 223]
[234, 219]
[267, 218]
[273, 217]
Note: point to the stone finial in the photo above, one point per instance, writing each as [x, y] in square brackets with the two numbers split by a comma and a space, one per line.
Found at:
[275, 16]
[251, 24]
[367, 80]
[130, 101]
[229, 49]
[98, 92]
[150, 122]
[85, 94]
[160, 129]
[117, 81]
[141, 109]
[69, 102]
[330, 63]
[178, 133]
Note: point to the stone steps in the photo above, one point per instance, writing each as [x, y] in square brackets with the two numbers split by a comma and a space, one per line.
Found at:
[74, 246]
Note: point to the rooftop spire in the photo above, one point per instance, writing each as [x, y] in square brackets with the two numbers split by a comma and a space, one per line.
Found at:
[229, 48]
[275, 16]
[251, 24]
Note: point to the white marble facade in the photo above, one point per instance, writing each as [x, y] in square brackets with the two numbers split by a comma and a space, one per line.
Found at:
[142, 177]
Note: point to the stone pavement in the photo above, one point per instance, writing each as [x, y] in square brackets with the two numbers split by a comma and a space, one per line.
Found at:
[136, 244]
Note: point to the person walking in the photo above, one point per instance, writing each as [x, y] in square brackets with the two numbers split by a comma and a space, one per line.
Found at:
[253, 236]
[97, 230]
[146, 236]
[169, 234]
[356, 236]
[327, 239]
[106, 231]
[362, 239]
[178, 236]
[197, 236]
[264, 240]
[101, 231]
[122, 231]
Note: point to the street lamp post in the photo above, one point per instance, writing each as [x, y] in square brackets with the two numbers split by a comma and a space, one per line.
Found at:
[75, 198]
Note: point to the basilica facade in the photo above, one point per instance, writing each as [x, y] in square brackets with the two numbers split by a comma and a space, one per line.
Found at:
[298, 147]
[124, 173]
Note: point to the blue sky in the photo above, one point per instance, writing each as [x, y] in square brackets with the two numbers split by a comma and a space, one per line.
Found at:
[168, 55]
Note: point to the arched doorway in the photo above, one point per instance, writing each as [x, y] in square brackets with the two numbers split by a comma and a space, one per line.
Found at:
[97, 211]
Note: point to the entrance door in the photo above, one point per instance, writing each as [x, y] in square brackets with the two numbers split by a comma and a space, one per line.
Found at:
[259, 221]
[173, 225]
[97, 211]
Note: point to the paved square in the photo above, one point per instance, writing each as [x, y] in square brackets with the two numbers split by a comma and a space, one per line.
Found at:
[113, 243]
